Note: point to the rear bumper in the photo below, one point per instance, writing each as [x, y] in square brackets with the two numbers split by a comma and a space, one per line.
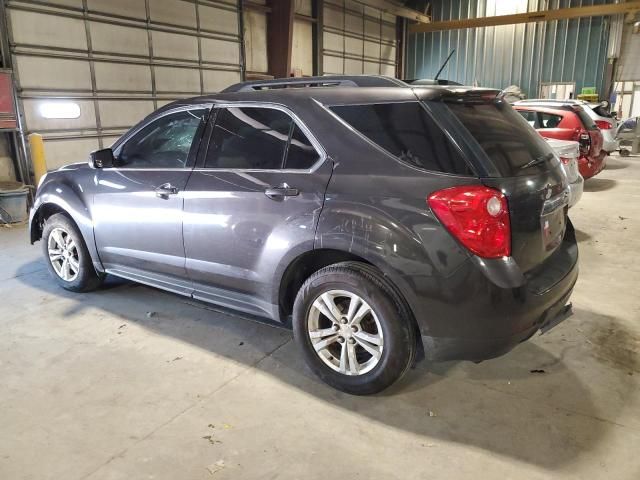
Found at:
[591, 166]
[575, 191]
[609, 142]
[488, 321]
[478, 349]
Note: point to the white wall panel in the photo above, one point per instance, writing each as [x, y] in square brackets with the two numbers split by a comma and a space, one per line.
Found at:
[63, 152]
[302, 52]
[628, 67]
[183, 80]
[174, 45]
[118, 39]
[358, 39]
[220, 51]
[372, 68]
[86, 120]
[304, 7]
[333, 41]
[353, 67]
[68, 3]
[333, 65]
[41, 29]
[353, 46]
[102, 60]
[372, 49]
[174, 12]
[53, 73]
[354, 24]
[123, 8]
[114, 77]
[218, 19]
[388, 70]
[122, 113]
[216, 80]
[255, 41]
[372, 28]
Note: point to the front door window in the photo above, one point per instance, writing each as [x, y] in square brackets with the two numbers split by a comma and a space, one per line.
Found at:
[164, 143]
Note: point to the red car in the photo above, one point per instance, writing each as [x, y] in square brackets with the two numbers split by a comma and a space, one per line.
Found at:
[569, 122]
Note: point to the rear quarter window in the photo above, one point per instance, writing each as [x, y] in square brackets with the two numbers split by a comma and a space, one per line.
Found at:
[407, 131]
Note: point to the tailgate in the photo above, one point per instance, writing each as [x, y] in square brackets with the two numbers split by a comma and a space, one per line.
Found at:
[527, 171]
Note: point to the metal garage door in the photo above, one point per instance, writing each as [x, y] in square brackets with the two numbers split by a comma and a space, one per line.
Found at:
[106, 64]
[358, 39]
[255, 38]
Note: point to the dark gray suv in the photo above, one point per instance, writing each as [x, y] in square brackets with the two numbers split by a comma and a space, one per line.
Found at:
[384, 223]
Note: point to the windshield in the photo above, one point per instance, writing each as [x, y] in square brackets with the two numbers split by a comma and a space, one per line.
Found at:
[512, 145]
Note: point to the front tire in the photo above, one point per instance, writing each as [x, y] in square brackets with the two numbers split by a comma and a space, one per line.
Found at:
[353, 330]
[66, 255]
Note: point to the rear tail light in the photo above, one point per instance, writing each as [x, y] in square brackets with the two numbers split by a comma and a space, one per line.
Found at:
[477, 216]
[603, 125]
[565, 160]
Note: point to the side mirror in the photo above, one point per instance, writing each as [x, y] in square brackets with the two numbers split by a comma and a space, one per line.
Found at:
[101, 158]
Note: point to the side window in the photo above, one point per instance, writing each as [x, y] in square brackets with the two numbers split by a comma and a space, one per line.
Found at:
[249, 138]
[164, 143]
[530, 117]
[549, 120]
[301, 153]
[407, 131]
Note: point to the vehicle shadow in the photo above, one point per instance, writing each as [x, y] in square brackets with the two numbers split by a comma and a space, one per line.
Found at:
[599, 184]
[582, 236]
[615, 164]
[500, 406]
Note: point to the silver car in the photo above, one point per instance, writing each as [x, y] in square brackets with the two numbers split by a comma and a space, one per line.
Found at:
[598, 113]
[569, 152]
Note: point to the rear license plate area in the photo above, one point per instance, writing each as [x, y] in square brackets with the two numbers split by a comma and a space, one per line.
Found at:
[553, 220]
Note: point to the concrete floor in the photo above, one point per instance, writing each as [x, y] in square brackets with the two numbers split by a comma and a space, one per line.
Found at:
[93, 388]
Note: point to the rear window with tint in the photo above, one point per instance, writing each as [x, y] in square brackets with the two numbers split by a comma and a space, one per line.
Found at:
[407, 131]
[508, 140]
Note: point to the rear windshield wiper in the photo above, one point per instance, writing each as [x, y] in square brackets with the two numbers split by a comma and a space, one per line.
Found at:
[537, 160]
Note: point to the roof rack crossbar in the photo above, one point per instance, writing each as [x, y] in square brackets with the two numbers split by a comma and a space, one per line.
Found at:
[323, 81]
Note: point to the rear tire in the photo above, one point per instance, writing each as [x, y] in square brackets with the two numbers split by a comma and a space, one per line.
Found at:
[66, 255]
[353, 330]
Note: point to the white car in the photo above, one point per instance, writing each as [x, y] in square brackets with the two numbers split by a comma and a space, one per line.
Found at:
[569, 152]
[598, 113]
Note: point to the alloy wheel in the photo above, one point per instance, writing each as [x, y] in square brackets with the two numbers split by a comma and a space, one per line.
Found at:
[63, 254]
[345, 332]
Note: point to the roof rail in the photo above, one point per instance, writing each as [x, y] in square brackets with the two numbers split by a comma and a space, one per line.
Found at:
[323, 81]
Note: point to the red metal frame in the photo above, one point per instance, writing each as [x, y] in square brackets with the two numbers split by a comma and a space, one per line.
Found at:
[8, 115]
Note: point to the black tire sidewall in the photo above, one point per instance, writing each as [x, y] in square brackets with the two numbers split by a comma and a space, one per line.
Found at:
[87, 278]
[398, 341]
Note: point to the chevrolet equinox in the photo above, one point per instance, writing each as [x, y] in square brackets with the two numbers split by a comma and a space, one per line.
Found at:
[385, 224]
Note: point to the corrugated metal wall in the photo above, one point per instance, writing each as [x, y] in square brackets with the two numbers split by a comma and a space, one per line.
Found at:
[525, 55]
[118, 60]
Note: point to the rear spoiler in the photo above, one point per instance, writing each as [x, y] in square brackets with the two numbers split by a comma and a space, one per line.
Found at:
[455, 94]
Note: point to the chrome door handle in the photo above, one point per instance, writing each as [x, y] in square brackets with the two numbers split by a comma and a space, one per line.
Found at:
[166, 189]
[281, 191]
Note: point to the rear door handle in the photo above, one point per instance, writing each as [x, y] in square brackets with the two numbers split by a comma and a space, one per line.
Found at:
[166, 189]
[281, 191]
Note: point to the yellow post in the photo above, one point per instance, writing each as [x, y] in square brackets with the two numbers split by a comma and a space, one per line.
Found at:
[37, 156]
